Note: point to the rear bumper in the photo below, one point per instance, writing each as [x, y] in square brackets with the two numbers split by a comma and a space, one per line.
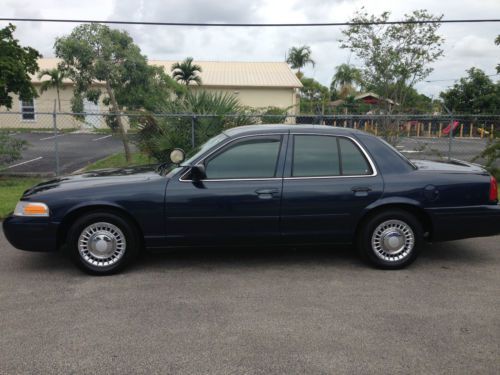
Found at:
[31, 234]
[454, 223]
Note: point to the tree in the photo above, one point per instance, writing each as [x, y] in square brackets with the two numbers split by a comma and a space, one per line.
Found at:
[313, 95]
[418, 103]
[497, 42]
[16, 65]
[186, 72]
[345, 79]
[56, 80]
[96, 53]
[298, 57]
[475, 94]
[395, 56]
[159, 135]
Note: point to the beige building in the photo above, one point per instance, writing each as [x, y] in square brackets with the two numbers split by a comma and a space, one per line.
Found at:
[256, 84]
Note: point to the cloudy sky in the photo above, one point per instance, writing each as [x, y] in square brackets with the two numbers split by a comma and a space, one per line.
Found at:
[466, 45]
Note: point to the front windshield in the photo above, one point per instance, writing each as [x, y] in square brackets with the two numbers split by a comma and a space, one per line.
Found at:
[196, 152]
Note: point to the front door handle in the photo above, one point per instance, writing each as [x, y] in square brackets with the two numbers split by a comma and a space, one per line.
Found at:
[266, 193]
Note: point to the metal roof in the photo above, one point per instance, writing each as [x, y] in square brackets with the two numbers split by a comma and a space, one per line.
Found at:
[222, 73]
[241, 73]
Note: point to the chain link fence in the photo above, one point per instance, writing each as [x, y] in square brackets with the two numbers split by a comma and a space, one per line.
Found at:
[48, 144]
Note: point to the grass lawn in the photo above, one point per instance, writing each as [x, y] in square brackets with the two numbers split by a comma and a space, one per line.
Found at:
[118, 160]
[11, 189]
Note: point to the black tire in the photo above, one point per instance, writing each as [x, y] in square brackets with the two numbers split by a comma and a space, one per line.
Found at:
[109, 228]
[390, 223]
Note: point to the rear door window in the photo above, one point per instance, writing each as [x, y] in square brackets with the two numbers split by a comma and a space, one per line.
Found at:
[315, 156]
[323, 156]
[353, 160]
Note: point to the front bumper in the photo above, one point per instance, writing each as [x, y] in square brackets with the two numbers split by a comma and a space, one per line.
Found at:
[31, 233]
[455, 223]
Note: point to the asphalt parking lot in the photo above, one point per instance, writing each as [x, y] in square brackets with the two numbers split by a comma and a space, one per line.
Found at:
[437, 148]
[254, 311]
[75, 152]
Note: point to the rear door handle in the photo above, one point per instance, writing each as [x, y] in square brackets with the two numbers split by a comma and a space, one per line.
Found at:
[266, 193]
[361, 188]
[361, 191]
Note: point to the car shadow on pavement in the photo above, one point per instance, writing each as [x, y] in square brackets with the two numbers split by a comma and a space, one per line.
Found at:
[339, 257]
[250, 257]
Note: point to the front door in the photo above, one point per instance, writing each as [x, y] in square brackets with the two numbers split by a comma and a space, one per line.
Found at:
[239, 200]
[328, 182]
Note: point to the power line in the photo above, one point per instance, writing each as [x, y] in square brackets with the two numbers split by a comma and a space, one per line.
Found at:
[208, 24]
[456, 79]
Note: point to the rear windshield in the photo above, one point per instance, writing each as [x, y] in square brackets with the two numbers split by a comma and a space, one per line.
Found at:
[404, 158]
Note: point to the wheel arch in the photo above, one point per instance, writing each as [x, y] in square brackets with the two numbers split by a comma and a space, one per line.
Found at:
[422, 216]
[72, 215]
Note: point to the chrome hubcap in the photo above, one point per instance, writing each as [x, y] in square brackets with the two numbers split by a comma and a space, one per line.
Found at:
[393, 240]
[101, 244]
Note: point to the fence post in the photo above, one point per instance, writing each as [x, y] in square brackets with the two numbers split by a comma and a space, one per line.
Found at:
[450, 138]
[492, 130]
[193, 118]
[56, 144]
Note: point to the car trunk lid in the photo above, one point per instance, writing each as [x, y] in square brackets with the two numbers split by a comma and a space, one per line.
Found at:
[452, 166]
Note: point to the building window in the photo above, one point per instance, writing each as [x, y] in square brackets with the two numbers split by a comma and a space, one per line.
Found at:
[28, 110]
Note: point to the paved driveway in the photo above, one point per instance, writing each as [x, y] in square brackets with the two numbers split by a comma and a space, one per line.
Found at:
[75, 152]
[254, 311]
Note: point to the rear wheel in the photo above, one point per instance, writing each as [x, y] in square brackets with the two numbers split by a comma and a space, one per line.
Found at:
[102, 243]
[390, 239]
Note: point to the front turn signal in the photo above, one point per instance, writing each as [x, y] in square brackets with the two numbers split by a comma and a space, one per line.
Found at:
[37, 209]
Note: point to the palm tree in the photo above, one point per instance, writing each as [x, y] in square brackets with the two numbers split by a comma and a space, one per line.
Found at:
[345, 79]
[298, 57]
[186, 71]
[56, 78]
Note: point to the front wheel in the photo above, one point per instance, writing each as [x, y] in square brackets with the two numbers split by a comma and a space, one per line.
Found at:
[102, 243]
[390, 239]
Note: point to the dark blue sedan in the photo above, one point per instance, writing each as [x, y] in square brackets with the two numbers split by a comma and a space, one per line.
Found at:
[261, 185]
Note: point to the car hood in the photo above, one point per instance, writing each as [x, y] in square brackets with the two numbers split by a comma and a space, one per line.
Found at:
[453, 166]
[111, 176]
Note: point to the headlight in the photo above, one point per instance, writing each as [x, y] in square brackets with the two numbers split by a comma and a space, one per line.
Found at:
[24, 208]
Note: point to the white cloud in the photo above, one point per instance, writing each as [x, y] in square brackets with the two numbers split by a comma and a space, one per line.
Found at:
[466, 44]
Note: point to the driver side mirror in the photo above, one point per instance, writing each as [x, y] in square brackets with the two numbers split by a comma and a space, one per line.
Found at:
[198, 172]
[177, 156]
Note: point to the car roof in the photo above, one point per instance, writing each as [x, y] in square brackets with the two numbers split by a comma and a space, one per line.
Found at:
[285, 128]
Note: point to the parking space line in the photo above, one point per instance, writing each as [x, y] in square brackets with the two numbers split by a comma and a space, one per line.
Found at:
[51, 137]
[106, 136]
[24, 162]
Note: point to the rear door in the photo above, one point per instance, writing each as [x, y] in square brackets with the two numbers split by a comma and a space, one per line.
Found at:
[329, 180]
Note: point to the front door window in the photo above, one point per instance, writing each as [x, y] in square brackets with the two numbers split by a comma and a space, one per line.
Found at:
[250, 158]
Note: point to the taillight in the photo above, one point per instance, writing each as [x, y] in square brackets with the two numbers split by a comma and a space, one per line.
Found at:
[493, 189]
